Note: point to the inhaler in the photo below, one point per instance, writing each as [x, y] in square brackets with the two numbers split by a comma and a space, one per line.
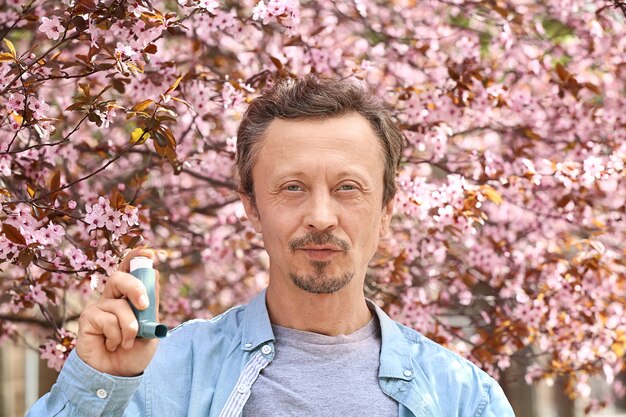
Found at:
[149, 328]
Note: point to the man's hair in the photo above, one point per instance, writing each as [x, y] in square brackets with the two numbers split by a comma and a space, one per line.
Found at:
[311, 97]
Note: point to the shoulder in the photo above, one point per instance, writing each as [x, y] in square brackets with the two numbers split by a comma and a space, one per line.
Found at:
[204, 334]
[459, 383]
[222, 324]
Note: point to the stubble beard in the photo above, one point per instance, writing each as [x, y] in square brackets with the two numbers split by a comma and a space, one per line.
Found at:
[319, 282]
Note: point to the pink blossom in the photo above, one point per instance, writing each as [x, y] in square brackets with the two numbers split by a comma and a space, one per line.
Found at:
[52, 27]
[5, 166]
[129, 216]
[52, 234]
[260, 12]
[107, 261]
[124, 51]
[15, 102]
[38, 106]
[55, 352]
[78, 259]
[209, 5]
[38, 295]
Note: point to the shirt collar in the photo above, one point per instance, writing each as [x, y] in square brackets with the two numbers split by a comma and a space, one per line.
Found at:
[395, 351]
[257, 328]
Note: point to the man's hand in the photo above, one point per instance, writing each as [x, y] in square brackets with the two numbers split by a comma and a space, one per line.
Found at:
[107, 329]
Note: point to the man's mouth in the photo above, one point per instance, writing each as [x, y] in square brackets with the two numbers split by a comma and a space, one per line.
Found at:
[320, 252]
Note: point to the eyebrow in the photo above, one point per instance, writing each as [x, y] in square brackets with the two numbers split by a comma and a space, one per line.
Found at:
[344, 173]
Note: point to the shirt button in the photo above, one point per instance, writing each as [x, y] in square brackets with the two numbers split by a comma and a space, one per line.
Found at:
[101, 393]
[266, 349]
[248, 345]
[241, 389]
[407, 373]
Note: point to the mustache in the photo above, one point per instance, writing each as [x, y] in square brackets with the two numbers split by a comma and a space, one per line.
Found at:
[319, 238]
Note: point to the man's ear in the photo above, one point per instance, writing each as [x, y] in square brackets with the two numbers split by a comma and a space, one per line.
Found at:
[386, 218]
[251, 211]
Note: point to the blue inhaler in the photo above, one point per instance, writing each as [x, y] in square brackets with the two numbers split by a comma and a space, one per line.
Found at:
[141, 268]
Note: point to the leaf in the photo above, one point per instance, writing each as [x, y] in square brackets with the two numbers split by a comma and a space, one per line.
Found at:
[6, 57]
[87, 4]
[9, 44]
[134, 241]
[26, 257]
[138, 134]
[76, 106]
[55, 184]
[31, 191]
[181, 101]
[80, 23]
[489, 192]
[150, 49]
[593, 88]
[105, 89]
[563, 74]
[117, 199]
[598, 223]
[530, 134]
[85, 89]
[170, 137]
[160, 142]
[141, 106]
[276, 62]
[13, 234]
[17, 117]
[55, 181]
[174, 85]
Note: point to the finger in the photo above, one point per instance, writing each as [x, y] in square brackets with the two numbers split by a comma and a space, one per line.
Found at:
[142, 251]
[124, 285]
[126, 319]
[104, 324]
[157, 291]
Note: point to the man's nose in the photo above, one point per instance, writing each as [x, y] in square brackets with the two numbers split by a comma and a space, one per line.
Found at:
[321, 212]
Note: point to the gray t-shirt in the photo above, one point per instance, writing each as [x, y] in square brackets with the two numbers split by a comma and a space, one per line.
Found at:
[318, 375]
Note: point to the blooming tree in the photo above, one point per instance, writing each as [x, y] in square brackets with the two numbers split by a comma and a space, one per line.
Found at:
[117, 129]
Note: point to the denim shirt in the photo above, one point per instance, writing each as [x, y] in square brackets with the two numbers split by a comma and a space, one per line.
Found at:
[208, 367]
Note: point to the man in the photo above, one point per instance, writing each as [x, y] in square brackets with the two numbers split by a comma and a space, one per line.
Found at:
[317, 160]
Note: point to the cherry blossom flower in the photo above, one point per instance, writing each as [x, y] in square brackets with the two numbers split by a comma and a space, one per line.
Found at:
[209, 5]
[52, 27]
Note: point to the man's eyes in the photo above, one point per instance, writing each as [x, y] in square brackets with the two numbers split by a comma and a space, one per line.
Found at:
[293, 187]
[346, 187]
[297, 187]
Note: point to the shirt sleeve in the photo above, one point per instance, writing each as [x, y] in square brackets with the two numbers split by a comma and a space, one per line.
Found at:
[82, 391]
[497, 405]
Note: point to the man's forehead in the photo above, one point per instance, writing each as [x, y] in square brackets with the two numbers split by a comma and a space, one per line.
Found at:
[347, 128]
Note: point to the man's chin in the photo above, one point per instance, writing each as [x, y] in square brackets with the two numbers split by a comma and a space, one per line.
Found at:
[321, 284]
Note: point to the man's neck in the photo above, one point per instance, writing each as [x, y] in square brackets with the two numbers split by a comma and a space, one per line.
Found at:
[343, 312]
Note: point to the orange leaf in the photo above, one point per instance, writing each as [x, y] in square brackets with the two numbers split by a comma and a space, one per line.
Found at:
[142, 105]
[174, 85]
[31, 191]
[85, 89]
[9, 44]
[6, 57]
[181, 101]
[489, 192]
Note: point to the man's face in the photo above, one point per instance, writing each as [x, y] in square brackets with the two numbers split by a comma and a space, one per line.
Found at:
[318, 192]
